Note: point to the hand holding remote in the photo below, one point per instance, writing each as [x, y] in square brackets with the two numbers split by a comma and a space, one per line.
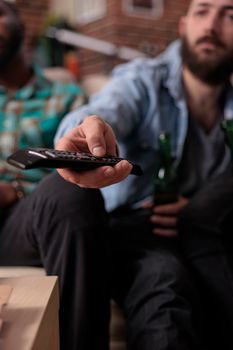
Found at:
[97, 137]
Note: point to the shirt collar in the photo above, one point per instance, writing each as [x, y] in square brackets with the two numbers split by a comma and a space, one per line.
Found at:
[172, 60]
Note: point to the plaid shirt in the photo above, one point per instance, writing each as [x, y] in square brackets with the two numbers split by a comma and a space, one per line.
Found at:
[29, 117]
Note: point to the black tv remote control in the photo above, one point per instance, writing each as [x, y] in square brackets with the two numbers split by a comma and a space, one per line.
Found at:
[30, 158]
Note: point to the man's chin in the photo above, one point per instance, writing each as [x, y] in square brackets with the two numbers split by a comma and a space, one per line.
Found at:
[206, 57]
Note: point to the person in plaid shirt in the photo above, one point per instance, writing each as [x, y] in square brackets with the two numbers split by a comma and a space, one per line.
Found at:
[39, 221]
[29, 117]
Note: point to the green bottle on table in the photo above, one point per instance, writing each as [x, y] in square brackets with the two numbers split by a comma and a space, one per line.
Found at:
[164, 180]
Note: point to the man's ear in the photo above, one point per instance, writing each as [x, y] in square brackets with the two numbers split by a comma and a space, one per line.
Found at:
[182, 26]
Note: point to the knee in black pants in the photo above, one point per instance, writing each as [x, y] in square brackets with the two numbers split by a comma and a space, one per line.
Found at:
[55, 200]
[65, 196]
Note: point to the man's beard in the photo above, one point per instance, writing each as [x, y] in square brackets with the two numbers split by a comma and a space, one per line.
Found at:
[212, 72]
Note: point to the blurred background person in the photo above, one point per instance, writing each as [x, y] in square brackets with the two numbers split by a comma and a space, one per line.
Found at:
[186, 93]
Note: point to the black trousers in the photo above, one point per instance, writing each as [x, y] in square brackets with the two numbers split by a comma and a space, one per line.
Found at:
[206, 238]
[61, 227]
[65, 229]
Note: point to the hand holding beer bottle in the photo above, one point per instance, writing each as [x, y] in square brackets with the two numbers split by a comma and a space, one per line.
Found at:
[166, 202]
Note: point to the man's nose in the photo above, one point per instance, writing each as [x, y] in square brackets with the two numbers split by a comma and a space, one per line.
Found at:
[212, 23]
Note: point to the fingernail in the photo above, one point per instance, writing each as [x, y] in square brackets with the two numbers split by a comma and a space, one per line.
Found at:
[98, 151]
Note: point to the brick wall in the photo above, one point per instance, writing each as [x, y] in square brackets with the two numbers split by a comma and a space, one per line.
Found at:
[145, 34]
[142, 33]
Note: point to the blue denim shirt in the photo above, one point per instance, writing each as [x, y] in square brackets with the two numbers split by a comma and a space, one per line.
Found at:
[143, 98]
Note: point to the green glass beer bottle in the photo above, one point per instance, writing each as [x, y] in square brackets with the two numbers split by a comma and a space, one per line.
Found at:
[164, 180]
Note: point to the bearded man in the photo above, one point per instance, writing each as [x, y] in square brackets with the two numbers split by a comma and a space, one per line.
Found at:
[164, 262]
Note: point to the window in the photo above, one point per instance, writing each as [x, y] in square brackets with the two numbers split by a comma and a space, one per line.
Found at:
[90, 10]
[63, 9]
[146, 4]
[151, 8]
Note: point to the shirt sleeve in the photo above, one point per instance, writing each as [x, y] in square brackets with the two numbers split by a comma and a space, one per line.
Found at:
[120, 103]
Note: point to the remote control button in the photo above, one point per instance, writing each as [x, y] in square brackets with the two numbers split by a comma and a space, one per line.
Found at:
[51, 154]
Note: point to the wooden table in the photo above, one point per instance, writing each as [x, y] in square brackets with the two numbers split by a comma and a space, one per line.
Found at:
[30, 317]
